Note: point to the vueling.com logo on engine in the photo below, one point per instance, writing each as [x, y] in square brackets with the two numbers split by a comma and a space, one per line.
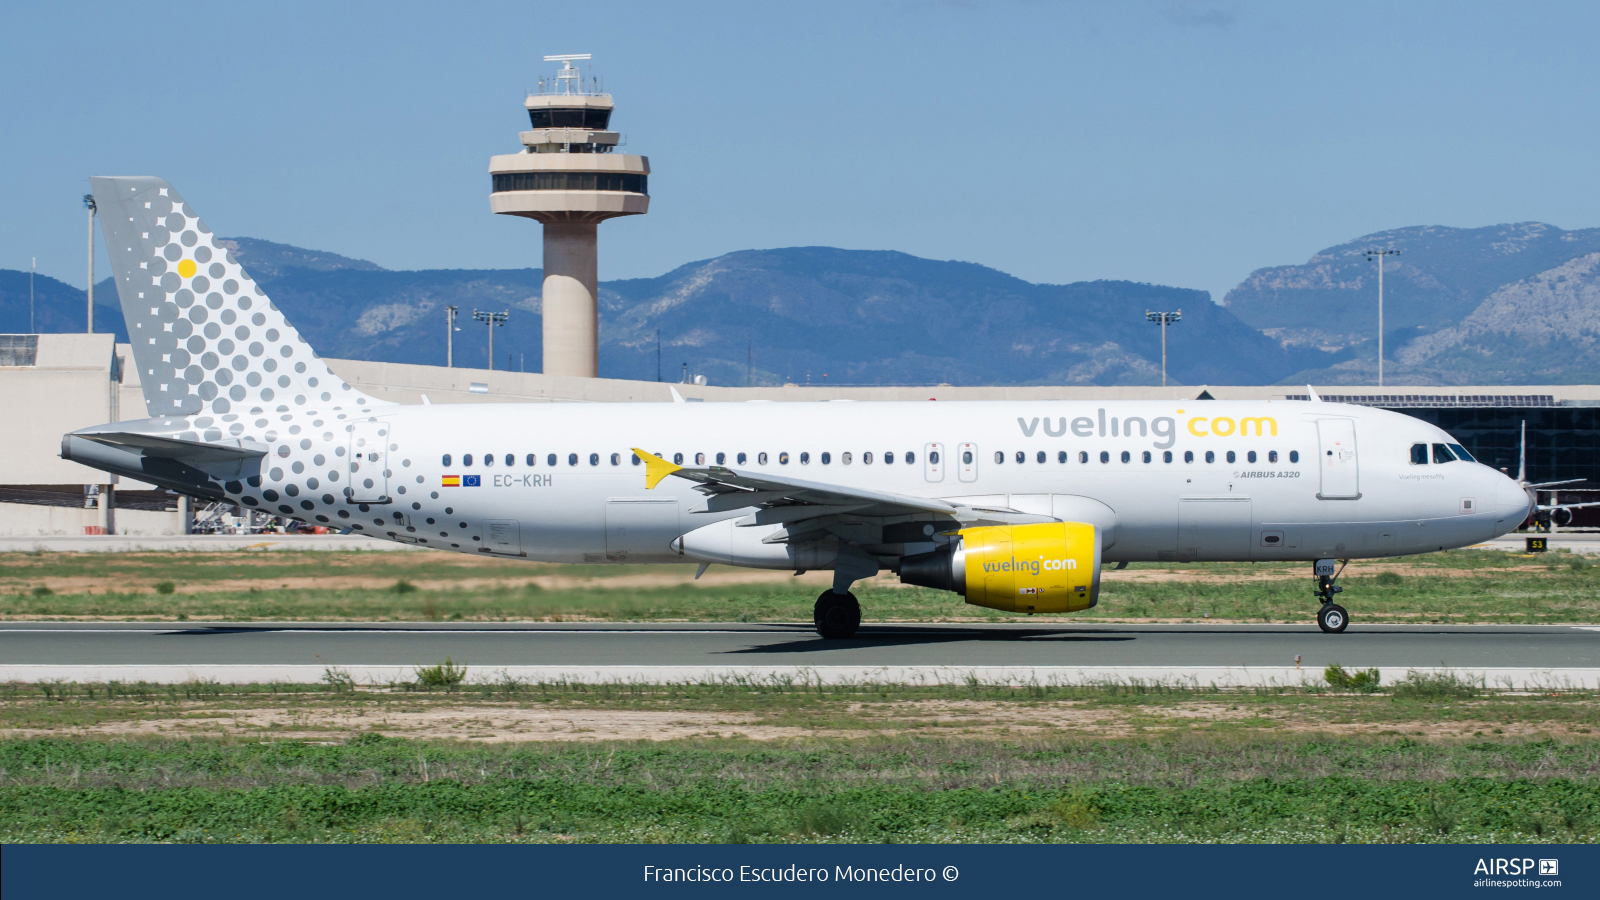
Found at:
[1031, 566]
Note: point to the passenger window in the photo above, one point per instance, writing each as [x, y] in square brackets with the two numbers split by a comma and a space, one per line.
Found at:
[1294, 456]
[1105, 457]
[1126, 456]
[741, 458]
[966, 457]
[827, 458]
[1083, 456]
[722, 459]
[999, 457]
[866, 458]
[511, 459]
[636, 459]
[572, 459]
[1211, 456]
[446, 460]
[912, 458]
[1061, 457]
[699, 459]
[1441, 454]
[761, 459]
[1166, 456]
[677, 459]
[1231, 457]
[1419, 454]
[1039, 457]
[1272, 456]
[616, 459]
[550, 460]
[533, 459]
[1250, 457]
[1147, 456]
[1188, 456]
[466, 460]
[488, 459]
[594, 459]
[888, 458]
[805, 459]
[783, 458]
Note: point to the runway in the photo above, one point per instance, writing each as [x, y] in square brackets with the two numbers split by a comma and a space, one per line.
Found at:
[1224, 654]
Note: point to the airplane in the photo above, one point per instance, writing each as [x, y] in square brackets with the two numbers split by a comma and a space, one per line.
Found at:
[1014, 505]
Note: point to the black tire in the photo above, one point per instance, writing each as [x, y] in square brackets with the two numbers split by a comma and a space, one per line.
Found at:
[1332, 618]
[836, 616]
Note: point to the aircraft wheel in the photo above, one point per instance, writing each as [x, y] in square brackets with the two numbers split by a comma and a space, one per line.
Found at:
[837, 615]
[1332, 618]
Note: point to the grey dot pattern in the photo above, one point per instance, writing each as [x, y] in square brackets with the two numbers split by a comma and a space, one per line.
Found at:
[218, 361]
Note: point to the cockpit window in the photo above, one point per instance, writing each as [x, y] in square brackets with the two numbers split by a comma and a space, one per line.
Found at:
[1461, 452]
[1441, 454]
[1419, 454]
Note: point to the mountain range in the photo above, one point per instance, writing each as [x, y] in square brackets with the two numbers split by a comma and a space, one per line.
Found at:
[1506, 304]
[1499, 305]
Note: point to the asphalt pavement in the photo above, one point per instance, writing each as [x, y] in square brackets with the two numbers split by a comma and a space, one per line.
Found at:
[569, 644]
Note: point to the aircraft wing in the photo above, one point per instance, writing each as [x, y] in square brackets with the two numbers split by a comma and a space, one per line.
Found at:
[783, 499]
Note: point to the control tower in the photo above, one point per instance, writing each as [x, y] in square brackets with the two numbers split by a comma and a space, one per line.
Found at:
[567, 177]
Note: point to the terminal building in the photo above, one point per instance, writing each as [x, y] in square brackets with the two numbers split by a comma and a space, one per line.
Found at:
[51, 384]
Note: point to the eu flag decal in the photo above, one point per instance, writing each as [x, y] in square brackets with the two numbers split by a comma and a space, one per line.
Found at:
[469, 481]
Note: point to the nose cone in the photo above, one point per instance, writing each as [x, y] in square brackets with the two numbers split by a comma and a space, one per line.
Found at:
[1512, 504]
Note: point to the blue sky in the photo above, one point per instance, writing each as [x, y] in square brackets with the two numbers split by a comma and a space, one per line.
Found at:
[1169, 142]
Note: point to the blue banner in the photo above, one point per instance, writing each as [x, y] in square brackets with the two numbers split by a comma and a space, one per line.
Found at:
[1296, 872]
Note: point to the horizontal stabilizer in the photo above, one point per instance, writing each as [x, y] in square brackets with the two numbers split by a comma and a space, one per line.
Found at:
[193, 452]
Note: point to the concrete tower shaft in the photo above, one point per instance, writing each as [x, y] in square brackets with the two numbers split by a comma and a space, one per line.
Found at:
[568, 177]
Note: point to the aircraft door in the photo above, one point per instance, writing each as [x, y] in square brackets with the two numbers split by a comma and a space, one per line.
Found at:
[503, 536]
[1336, 453]
[933, 462]
[1214, 528]
[369, 462]
[967, 462]
[641, 529]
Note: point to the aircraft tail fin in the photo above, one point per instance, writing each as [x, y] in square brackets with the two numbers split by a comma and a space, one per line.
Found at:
[205, 336]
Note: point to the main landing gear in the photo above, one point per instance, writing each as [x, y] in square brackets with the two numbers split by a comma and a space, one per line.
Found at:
[836, 615]
[1331, 618]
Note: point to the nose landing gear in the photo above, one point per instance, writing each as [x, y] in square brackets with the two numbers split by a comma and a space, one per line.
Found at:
[1331, 618]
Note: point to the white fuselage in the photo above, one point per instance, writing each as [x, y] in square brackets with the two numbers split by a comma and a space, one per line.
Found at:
[564, 485]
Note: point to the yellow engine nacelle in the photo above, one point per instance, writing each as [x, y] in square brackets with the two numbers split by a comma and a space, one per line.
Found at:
[1049, 567]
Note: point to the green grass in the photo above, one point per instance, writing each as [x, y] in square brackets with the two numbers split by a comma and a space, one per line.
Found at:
[904, 764]
[1457, 586]
[384, 789]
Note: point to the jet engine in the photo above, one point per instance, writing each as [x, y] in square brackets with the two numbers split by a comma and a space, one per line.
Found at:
[1048, 567]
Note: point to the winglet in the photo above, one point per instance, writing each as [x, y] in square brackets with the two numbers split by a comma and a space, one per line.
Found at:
[1313, 392]
[676, 397]
[655, 468]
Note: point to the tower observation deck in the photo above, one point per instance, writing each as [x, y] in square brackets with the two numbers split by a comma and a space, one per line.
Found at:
[568, 177]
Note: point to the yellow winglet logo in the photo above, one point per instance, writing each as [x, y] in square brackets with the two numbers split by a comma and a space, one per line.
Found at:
[655, 468]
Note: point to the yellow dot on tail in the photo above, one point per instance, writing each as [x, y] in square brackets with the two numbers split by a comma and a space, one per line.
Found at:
[186, 268]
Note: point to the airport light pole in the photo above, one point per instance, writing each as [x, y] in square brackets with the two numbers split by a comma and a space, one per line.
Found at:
[450, 330]
[1165, 318]
[88, 203]
[1379, 255]
[491, 319]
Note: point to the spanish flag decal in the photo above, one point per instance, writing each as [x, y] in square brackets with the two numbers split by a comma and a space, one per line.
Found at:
[450, 481]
